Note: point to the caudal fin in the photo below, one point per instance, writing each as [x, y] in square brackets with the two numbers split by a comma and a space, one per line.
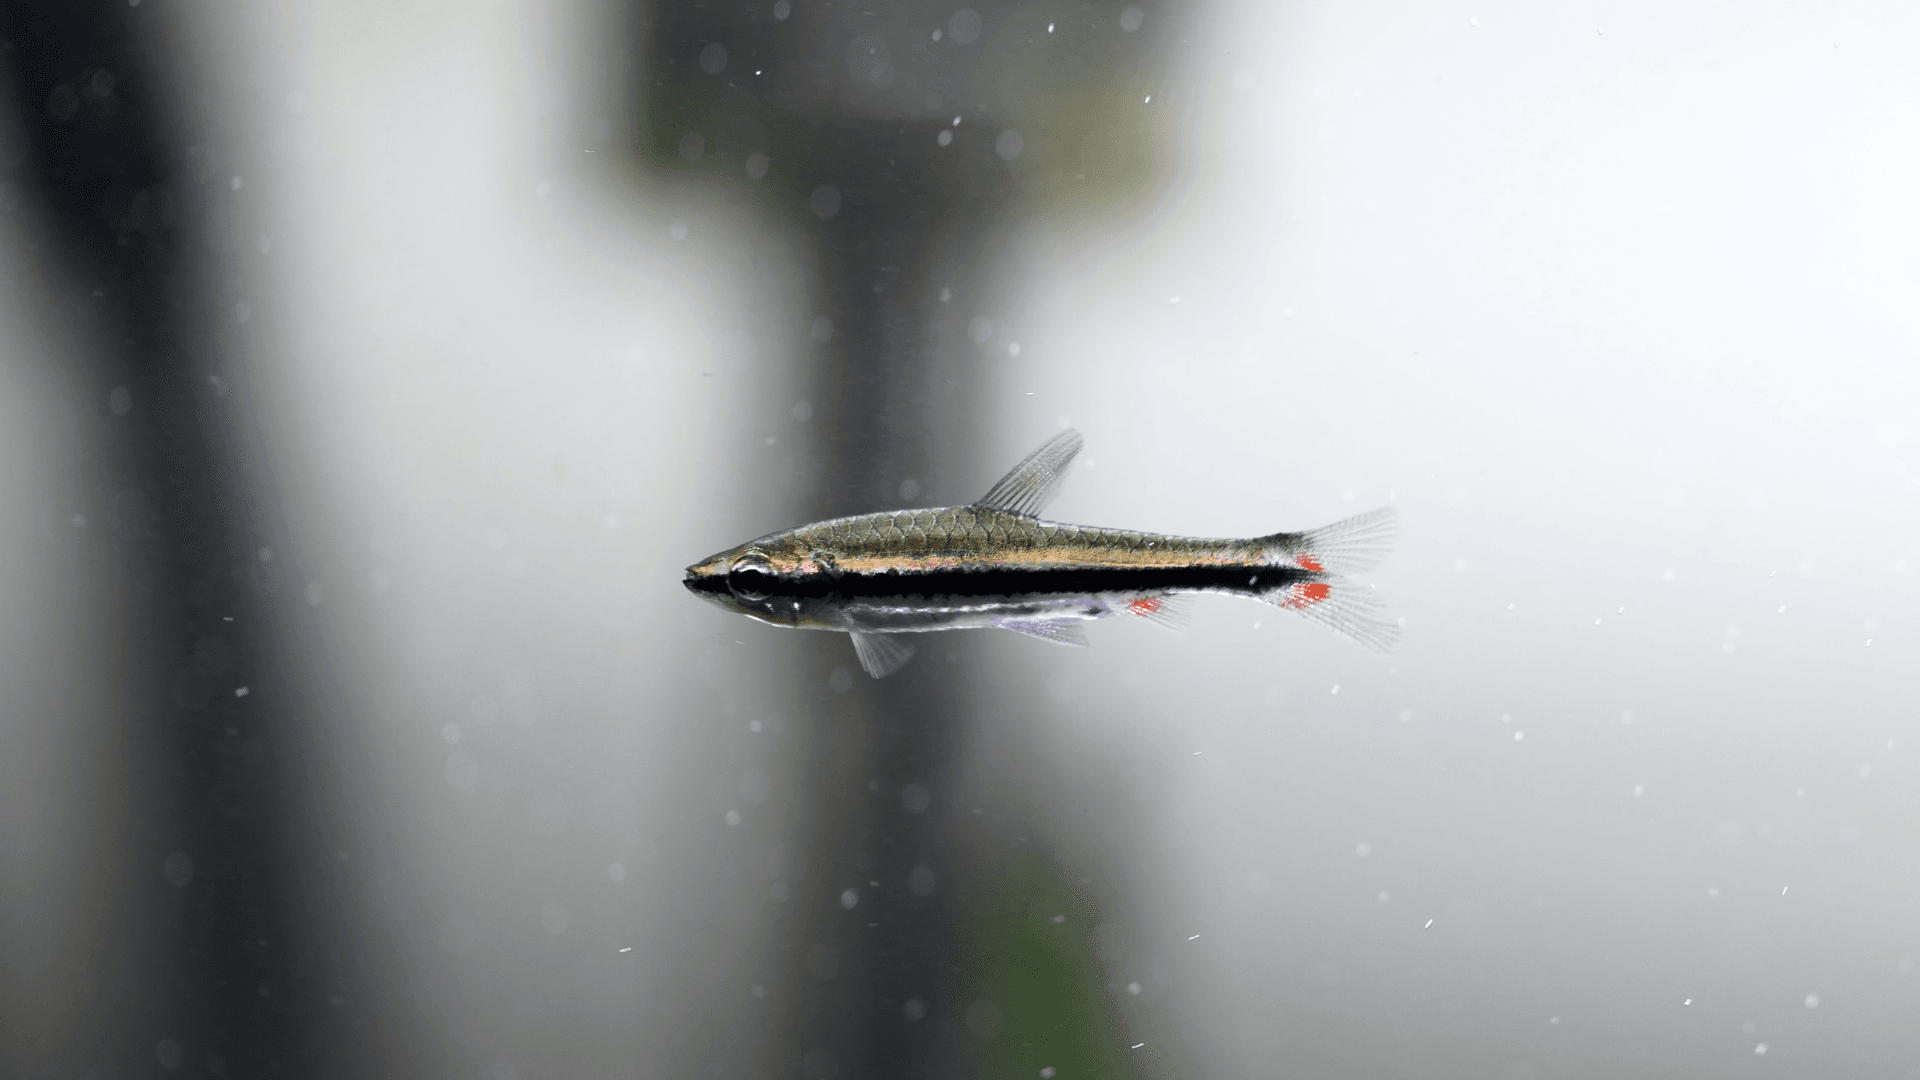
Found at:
[1342, 605]
[1352, 546]
[1328, 597]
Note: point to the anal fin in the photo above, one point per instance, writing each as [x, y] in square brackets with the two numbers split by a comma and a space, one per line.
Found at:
[1058, 631]
[881, 654]
[1172, 611]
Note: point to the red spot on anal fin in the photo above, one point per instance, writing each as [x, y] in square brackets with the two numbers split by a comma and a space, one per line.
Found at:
[1309, 562]
[1146, 605]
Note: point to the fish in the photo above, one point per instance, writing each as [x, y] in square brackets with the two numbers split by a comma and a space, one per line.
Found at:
[997, 564]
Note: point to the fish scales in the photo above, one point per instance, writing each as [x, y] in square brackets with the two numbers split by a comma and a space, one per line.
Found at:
[996, 563]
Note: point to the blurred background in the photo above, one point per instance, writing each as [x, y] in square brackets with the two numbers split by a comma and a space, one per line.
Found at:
[369, 373]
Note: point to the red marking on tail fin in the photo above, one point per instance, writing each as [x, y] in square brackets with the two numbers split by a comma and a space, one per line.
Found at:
[1306, 594]
[1308, 562]
[1146, 605]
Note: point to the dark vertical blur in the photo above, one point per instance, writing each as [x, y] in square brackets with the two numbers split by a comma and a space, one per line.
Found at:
[202, 912]
[895, 142]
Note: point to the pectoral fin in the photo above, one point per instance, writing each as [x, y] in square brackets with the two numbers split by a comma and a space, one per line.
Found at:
[1058, 631]
[881, 654]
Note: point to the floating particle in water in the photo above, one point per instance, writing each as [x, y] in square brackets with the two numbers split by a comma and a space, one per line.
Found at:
[965, 26]
[915, 798]
[825, 201]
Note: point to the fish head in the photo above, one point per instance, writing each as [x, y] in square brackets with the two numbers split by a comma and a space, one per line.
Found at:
[762, 581]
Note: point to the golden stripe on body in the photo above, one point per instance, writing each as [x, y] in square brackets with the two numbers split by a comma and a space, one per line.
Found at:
[951, 538]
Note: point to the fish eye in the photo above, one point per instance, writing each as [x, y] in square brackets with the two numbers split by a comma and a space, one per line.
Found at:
[751, 579]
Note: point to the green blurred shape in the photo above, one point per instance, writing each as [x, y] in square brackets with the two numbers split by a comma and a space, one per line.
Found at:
[1037, 994]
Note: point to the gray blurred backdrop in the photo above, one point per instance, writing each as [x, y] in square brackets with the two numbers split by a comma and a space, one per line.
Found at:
[369, 372]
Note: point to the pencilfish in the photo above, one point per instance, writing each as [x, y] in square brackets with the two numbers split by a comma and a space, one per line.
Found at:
[996, 563]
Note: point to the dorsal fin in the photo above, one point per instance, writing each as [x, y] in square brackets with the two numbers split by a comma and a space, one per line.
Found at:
[1030, 486]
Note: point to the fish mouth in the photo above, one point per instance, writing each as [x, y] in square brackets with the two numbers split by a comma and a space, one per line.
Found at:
[707, 586]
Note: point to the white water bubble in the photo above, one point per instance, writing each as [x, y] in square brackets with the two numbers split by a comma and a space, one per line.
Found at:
[677, 229]
[980, 329]
[782, 9]
[821, 330]
[693, 146]
[945, 138]
[825, 201]
[920, 881]
[916, 1009]
[965, 26]
[1812, 1001]
[915, 798]
[616, 871]
[168, 1053]
[316, 593]
[120, 401]
[1008, 144]
[869, 60]
[1363, 849]
[713, 58]
[1132, 19]
[803, 411]
[1134, 989]
[849, 898]
[178, 869]
[732, 817]
[450, 734]
[757, 164]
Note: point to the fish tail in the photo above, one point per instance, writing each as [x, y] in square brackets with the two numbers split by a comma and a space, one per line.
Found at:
[1350, 546]
[1323, 592]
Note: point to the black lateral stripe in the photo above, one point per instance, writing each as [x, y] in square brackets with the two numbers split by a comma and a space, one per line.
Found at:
[1069, 582]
